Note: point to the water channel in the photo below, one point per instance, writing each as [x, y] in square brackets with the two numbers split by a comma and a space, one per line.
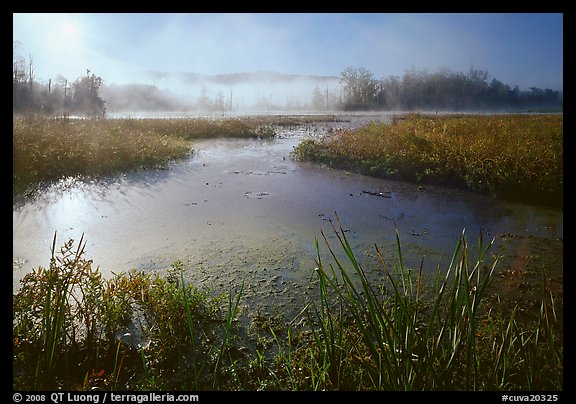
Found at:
[245, 211]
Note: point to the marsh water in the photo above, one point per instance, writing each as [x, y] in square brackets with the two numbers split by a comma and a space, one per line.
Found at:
[242, 210]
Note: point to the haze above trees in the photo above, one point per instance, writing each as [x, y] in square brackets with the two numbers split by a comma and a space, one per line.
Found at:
[356, 89]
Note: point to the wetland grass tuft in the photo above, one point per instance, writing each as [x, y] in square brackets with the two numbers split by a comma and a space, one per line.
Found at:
[514, 156]
[75, 330]
[385, 337]
[46, 149]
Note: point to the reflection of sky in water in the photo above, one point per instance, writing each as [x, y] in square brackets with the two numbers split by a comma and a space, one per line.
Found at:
[236, 199]
[73, 208]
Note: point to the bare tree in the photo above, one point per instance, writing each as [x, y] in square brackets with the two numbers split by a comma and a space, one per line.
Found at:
[86, 97]
[317, 99]
[31, 74]
[359, 86]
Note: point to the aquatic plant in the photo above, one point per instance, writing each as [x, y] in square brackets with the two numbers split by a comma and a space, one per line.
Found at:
[74, 329]
[514, 156]
[47, 149]
[386, 336]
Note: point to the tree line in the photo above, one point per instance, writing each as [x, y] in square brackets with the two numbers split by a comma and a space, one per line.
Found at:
[57, 97]
[443, 90]
[360, 90]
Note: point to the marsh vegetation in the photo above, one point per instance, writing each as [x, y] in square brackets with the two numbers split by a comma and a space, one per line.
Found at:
[409, 329]
[46, 149]
[512, 156]
[74, 329]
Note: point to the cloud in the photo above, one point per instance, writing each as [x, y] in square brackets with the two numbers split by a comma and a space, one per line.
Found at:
[517, 49]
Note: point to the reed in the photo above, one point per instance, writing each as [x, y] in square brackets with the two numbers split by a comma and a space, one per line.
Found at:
[47, 149]
[231, 313]
[513, 156]
[73, 329]
[388, 338]
[54, 310]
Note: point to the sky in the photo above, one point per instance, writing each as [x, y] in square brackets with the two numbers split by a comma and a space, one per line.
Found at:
[524, 49]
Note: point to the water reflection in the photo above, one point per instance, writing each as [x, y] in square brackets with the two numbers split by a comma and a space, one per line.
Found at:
[242, 208]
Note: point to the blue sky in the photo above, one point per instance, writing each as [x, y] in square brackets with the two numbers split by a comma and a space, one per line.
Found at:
[524, 49]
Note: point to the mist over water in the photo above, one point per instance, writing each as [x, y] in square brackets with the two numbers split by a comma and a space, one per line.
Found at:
[356, 89]
[243, 209]
[232, 93]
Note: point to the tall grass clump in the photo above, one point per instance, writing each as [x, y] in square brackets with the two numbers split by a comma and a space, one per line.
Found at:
[57, 306]
[46, 149]
[75, 330]
[49, 149]
[408, 330]
[388, 337]
[202, 128]
[513, 156]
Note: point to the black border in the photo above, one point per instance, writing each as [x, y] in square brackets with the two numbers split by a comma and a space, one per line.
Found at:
[503, 6]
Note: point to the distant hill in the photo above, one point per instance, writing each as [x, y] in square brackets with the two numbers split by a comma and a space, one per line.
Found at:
[241, 78]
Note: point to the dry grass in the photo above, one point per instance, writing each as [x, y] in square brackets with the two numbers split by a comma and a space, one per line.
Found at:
[48, 149]
[514, 156]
